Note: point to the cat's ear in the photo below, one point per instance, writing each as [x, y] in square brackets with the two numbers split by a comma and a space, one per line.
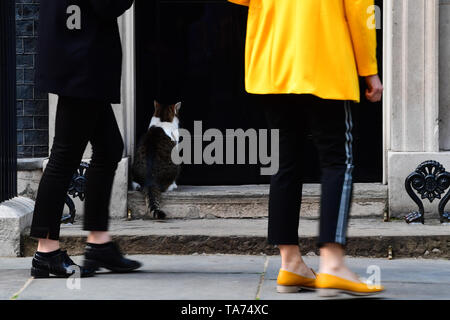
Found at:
[177, 107]
[157, 107]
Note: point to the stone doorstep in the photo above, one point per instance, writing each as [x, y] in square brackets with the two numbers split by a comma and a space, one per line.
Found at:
[251, 201]
[15, 216]
[366, 237]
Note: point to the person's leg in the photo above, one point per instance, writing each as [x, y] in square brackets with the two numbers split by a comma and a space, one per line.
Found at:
[72, 128]
[71, 136]
[107, 151]
[286, 184]
[332, 124]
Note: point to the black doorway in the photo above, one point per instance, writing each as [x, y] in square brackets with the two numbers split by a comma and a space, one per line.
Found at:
[206, 40]
[8, 111]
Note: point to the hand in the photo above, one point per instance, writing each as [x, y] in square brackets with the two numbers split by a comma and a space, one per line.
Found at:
[374, 90]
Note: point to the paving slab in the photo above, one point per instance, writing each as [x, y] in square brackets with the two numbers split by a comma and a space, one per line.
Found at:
[417, 291]
[11, 281]
[201, 263]
[7, 263]
[150, 286]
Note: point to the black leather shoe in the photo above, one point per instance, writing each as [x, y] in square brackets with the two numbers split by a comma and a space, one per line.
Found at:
[108, 256]
[59, 265]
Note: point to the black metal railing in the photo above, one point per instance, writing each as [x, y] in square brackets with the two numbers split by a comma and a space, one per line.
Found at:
[8, 134]
[430, 181]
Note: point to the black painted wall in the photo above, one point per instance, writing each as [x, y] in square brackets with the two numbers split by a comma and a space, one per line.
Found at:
[32, 106]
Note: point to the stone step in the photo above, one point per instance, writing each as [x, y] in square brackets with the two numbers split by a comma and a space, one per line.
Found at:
[367, 237]
[251, 201]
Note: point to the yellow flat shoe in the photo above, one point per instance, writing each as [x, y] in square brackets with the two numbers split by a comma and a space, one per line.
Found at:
[289, 282]
[330, 286]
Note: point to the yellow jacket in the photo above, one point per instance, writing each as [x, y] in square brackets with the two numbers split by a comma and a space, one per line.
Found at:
[309, 47]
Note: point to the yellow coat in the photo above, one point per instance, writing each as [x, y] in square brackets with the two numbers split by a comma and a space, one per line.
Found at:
[309, 47]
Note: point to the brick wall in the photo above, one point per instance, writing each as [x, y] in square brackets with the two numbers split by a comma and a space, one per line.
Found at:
[32, 106]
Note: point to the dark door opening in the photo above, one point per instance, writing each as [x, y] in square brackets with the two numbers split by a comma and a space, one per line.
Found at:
[8, 120]
[206, 41]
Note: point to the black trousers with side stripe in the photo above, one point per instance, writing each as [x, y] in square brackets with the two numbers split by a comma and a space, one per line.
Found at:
[330, 122]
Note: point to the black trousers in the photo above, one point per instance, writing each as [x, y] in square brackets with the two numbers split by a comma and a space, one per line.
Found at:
[331, 125]
[79, 121]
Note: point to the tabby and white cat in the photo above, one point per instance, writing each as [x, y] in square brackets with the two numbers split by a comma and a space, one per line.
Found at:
[153, 169]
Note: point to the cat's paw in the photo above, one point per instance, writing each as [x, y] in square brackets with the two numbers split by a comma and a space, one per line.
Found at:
[172, 187]
[159, 215]
[135, 186]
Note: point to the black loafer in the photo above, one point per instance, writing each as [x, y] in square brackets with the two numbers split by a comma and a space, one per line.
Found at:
[59, 265]
[108, 256]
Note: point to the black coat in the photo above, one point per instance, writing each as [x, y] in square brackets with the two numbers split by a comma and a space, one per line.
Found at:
[85, 62]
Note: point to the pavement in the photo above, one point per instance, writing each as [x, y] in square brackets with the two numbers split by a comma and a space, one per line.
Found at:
[217, 277]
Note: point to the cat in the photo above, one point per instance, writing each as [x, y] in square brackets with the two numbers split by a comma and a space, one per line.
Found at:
[153, 169]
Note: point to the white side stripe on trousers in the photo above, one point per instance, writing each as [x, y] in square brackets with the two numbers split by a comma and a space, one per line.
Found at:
[348, 179]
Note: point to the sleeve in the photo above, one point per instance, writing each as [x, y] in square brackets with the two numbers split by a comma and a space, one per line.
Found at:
[110, 9]
[241, 2]
[359, 18]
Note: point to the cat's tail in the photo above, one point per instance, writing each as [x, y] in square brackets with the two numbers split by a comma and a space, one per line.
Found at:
[151, 189]
[153, 199]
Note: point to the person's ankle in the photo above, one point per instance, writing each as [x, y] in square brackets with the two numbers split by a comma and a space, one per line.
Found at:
[331, 258]
[332, 264]
[47, 246]
[99, 237]
[339, 270]
[291, 265]
[48, 254]
[297, 266]
[99, 245]
[331, 269]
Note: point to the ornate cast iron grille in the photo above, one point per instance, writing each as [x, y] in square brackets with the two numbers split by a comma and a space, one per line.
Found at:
[77, 188]
[429, 180]
[8, 134]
